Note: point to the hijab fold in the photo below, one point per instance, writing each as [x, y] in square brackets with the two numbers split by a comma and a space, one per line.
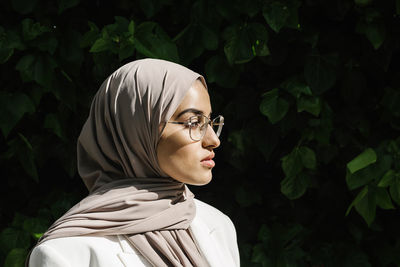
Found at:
[129, 193]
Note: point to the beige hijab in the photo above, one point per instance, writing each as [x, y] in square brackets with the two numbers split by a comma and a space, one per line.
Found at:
[117, 160]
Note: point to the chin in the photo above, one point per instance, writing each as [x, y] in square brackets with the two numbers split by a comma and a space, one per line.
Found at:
[199, 182]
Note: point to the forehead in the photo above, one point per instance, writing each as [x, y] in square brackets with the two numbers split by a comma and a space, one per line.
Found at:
[197, 97]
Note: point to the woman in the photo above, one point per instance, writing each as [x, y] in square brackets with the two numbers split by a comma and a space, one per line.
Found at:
[148, 135]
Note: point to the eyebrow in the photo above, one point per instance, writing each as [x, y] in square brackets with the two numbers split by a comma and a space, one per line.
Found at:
[191, 110]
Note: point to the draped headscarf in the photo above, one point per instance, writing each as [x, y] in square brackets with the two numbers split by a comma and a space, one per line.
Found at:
[129, 193]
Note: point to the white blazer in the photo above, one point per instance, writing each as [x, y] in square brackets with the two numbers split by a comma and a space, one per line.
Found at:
[213, 232]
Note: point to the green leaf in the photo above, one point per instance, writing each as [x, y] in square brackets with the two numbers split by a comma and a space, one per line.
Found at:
[100, 45]
[259, 256]
[23, 6]
[52, 122]
[274, 107]
[294, 187]
[383, 199]
[13, 238]
[16, 258]
[26, 157]
[310, 104]
[357, 199]
[209, 37]
[374, 31]
[46, 44]
[367, 157]
[12, 108]
[90, 36]
[36, 227]
[5, 54]
[66, 4]
[295, 87]
[395, 190]
[308, 158]
[372, 172]
[39, 68]
[387, 179]
[152, 41]
[276, 14]
[292, 163]
[319, 72]
[258, 36]
[218, 70]
[247, 198]
[31, 30]
[365, 204]
[366, 207]
[238, 46]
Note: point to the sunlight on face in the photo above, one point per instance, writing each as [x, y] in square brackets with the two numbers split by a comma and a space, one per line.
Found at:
[178, 155]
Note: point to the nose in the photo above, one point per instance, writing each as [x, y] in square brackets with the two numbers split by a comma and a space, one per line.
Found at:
[210, 138]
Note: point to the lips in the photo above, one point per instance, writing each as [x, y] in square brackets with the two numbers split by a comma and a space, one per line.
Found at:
[208, 162]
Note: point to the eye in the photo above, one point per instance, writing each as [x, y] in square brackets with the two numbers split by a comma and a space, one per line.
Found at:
[195, 122]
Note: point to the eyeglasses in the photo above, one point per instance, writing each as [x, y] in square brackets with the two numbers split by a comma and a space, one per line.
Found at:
[198, 125]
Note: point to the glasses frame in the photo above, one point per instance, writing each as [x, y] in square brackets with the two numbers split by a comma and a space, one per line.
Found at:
[207, 122]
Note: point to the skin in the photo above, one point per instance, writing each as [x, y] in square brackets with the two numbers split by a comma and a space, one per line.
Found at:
[178, 155]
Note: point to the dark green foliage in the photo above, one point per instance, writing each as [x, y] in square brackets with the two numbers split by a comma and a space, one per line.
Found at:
[309, 167]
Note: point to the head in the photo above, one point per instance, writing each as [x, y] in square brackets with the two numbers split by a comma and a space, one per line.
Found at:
[122, 139]
[178, 155]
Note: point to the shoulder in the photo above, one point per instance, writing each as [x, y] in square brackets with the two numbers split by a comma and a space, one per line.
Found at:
[80, 251]
[211, 215]
[219, 228]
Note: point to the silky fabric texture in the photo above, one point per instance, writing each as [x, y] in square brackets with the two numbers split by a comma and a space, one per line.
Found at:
[117, 160]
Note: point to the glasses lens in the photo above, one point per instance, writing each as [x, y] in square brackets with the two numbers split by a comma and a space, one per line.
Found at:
[217, 124]
[196, 127]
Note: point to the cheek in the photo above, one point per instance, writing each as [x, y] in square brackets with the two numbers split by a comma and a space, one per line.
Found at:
[175, 152]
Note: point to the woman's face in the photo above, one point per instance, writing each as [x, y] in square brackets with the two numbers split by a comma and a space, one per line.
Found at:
[178, 155]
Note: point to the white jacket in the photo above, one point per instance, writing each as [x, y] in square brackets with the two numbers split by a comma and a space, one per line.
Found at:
[213, 232]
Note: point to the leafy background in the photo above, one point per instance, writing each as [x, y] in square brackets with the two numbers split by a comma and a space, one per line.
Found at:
[309, 167]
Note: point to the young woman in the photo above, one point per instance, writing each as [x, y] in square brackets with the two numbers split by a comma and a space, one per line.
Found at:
[148, 134]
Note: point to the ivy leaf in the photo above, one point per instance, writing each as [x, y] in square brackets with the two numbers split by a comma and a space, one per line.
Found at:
[90, 36]
[383, 199]
[13, 238]
[36, 227]
[374, 31]
[296, 88]
[246, 198]
[319, 72]
[16, 257]
[218, 70]
[12, 108]
[387, 179]
[31, 30]
[276, 14]
[238, 46]
[310, 104]
[52, 122]
[292, 163]
[152, 41]
[395, 190]
[294, 187]
[308, 158]
[366, 206]
[100, 45]
[209, 37]
[367, 157]
[274, 107]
